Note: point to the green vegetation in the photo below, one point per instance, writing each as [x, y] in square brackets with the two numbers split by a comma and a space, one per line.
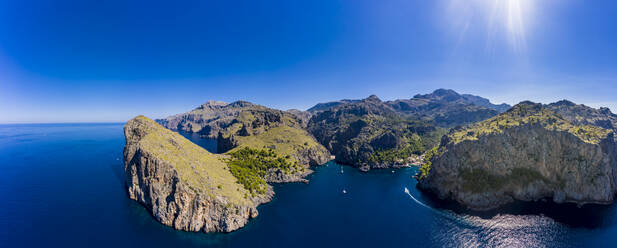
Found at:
[414, 135]
[529, 113]
[394, 155]
[479, 180]
[370, 132]
[432, 139]
[284, 140]
[250, 166]
[425, 169]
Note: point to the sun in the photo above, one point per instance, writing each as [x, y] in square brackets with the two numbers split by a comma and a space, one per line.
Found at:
[516, 16]
[507, 20]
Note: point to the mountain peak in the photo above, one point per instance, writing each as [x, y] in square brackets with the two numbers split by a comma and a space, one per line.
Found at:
[606, 111]
[445, 92]
[441, 94]
[525, 107]
[212, 103]
[564, 103]
[241, 103]
[373, 98]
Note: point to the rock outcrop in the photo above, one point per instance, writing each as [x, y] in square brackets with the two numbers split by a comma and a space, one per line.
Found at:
[527, 153]
[181, 184]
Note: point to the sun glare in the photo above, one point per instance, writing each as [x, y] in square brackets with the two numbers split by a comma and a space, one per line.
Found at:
[506, 20]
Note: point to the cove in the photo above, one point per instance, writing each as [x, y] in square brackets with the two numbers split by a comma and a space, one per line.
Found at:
[63, 185]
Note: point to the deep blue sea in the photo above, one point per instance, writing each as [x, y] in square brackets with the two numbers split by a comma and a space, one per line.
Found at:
[61, 185]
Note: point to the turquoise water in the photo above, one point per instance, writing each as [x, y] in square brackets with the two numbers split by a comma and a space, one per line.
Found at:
[62, 185]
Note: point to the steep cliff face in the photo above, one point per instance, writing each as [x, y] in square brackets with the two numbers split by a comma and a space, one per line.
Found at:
[181, 184]
[242, 124]
[207, 119]
[370, 134]
[527, 153]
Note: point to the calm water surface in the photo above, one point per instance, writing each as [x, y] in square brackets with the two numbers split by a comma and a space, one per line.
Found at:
[62, 185]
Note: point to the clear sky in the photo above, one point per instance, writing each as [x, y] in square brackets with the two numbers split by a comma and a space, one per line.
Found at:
[92, 60]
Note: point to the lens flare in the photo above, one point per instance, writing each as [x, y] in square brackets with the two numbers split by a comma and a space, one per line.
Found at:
[502, 20]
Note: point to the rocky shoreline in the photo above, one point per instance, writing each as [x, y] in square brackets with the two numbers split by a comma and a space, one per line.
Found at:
[468, 150]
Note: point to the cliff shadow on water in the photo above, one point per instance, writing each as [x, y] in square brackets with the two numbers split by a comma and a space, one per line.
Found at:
[209, 144]
[587, 216]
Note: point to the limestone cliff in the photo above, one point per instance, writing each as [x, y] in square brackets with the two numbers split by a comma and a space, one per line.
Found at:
[181, 184]
[527, 153]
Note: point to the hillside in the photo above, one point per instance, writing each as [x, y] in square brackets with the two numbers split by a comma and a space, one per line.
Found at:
[371, 134]
[242, 124]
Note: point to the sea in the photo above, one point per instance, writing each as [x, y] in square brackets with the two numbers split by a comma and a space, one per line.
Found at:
[62, 185]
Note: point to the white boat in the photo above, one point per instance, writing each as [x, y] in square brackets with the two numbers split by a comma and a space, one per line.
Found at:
[344, 191]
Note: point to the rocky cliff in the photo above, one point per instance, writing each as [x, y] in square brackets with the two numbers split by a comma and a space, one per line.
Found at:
[183, 185]
[527, 153]
[209, 118]
[371, 134]
[243, 124]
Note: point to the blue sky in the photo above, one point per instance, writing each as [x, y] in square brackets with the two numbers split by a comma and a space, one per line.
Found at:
[90, 61]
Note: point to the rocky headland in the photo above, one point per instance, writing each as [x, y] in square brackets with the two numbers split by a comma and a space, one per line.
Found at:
[183, 185]
[528, 153]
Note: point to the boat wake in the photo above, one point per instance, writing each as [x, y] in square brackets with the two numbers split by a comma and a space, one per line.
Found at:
[417, 201]
[443, 213]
